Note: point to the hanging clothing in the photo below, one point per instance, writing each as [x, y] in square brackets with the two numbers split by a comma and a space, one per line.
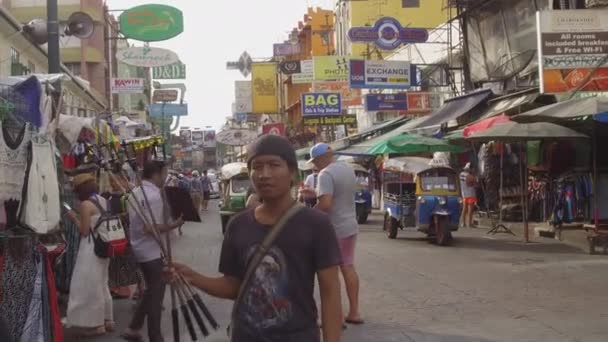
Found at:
[90, 302]
[31, 91]
[41, 209]
[13, 161]
[33, 330]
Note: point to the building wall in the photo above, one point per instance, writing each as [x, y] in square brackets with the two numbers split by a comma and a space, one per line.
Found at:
[429, 14]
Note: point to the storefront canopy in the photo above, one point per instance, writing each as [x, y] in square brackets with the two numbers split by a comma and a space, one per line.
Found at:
[516, 103]
[516, 132]
[596, 107]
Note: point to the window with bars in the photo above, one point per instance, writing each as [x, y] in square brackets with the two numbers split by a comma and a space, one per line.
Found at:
[410, 3]
[15, 56]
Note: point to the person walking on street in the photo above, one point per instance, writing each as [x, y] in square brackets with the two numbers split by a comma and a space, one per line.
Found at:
[308, 192]
[196, 190]
[90, 303]
[147, 251]
[336, 188]
[206, 188]
[277, 302]
[468, 181]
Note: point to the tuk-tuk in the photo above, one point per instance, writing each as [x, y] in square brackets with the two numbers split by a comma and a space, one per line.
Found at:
[234, 180]
[421, 197]
[363, 197]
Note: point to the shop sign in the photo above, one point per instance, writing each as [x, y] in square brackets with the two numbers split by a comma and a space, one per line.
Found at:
[388, 34]
[290, 67]
[168, 109]
[380, 74]
[350, 97]
[307, 72]
[186, 136]
[165, 95]
[146, 57]
[331, 68]
[264, 88]
[243, 102]
[573, 45]
[386, 102]
[243, 65]
[236, 137]
[151, 23]
[274, 129]
[422, 102]
[127, 85]
[321, 104]
[286, 49]
[209, 138]
[176, 71]
[330, 120]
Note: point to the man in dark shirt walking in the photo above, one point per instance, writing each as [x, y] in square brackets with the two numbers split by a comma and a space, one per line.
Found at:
[278, 304]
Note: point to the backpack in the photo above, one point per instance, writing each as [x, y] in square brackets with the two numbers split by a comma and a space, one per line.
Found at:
[108, 234]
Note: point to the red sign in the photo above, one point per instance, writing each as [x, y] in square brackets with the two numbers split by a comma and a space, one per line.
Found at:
[275, 129]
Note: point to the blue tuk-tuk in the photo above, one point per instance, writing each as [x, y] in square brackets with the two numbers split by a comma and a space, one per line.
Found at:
[421, 197]
[363, 197]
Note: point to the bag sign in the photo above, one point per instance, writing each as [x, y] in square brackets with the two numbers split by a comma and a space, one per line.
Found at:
[127, 86]
[321, 104]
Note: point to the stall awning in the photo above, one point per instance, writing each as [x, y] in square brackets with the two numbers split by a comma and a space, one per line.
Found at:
[455, 108]
[571, 109]
[517, 101]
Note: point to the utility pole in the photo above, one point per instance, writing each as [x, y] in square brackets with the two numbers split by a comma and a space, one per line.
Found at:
[54, 58]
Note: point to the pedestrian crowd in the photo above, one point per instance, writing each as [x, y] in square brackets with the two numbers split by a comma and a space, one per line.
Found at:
[270, 257]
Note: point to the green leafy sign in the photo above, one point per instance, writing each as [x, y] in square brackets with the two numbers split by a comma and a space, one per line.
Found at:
[151, 23]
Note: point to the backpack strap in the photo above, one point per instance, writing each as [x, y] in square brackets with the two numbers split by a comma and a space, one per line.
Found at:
[102, 212]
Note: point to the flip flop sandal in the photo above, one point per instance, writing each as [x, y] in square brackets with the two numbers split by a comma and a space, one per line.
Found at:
[355, 321]
[132, 337]
[93, 332]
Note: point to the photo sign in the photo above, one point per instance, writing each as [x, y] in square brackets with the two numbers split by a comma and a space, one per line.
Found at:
[331, 68]
[572, 50]
[151, 23]
[380, 74]
[321, 104]
[146, 57]
[176, 71]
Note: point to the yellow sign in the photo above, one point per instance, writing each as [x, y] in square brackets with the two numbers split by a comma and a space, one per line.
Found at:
[331, 68]
[264, 88]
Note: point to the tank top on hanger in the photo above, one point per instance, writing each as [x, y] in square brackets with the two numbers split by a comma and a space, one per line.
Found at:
[13, 162]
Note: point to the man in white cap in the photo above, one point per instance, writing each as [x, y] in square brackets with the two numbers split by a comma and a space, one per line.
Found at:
[336, 187]
[469, 195]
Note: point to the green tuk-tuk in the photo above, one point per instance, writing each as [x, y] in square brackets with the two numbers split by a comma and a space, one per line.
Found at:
[234, 184]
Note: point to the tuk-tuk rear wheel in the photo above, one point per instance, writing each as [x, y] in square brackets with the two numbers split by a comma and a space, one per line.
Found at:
[391, 226]
[443, 236]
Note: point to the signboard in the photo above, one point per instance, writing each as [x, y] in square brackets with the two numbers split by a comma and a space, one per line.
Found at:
[385, 102]
[168, 109]
[176, 71]
[421, 102]
[165, 95]
[185, 135]
[146, 57]
[243, 101]
[236, 137]
[350, 97]
[572, 50]
[264, 88]
[380, 74]
[197, 137]
[274, 129]
[321, 104]
[388, 34]
[209, 138]
[127, 85]
[286, 49]
[243, 64]
[307, 72]
[151, 23]
[331, 68]
[290, 67]
[330, 120]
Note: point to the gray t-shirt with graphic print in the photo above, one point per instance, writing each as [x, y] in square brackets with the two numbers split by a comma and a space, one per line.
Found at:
[279, 304]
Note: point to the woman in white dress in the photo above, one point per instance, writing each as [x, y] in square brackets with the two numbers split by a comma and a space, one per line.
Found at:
[90, 303]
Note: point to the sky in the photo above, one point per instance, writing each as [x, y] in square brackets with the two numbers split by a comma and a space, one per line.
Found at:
[217, 32]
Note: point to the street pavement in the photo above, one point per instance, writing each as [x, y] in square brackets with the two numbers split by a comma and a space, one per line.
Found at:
[481, 289]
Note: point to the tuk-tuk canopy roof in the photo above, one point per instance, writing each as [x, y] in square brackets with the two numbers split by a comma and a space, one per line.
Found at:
[413, 165]
[233, 169]
[358, 168]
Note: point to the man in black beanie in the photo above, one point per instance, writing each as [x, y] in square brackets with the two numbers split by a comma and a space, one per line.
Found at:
[278, 303]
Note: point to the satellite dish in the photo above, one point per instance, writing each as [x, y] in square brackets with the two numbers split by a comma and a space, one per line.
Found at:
[37, 31]
[79, 25]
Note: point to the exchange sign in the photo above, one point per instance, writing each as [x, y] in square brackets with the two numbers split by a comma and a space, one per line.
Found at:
[321, 104]
[175, 71]
[380, 74]
[151, 23]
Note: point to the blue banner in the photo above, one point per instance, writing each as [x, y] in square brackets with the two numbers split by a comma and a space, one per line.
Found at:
[321, 104]
[380, 102]
[158, 110]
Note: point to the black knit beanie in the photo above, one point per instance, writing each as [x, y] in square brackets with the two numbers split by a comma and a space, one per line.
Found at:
[273, 145]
